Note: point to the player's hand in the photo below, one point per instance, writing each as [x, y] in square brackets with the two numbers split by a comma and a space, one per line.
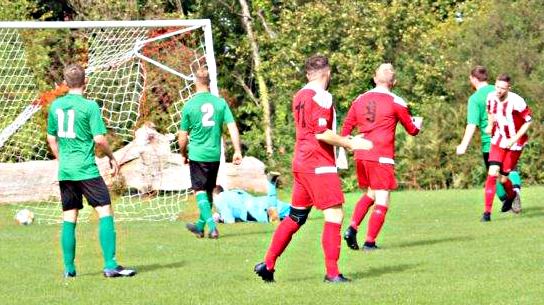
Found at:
[114, 167]
[510, 143]
[418, 121]
[358, 142]
[237, 158]
[488, 129]
[461, 149]
[184, 159]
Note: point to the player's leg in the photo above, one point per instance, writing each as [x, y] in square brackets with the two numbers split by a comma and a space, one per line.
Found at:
[298, 214]
[496, 157]
[362, 206]
[326, 192]
[97, 195]
[331, 241]
[72, 202]
[198, 174]
[509, 163]
[206, 207]
[501, 193]
[515, 177]
[490, 189]
[272, 200]
[377, 218]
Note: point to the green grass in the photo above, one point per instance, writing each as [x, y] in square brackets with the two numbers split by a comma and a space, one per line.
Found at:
[435, 251]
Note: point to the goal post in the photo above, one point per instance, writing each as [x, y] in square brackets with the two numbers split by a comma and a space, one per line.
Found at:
[138, 72]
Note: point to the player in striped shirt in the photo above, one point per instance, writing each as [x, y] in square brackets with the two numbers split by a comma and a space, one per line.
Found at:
[509, 118]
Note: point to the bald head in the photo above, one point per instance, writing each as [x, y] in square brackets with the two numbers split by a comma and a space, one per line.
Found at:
[385, 75]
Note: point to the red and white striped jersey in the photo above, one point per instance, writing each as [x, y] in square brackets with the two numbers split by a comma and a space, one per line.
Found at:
[376, 114]
[510, 115]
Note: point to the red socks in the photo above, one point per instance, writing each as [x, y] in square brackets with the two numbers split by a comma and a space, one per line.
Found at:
[509, 189]
[375, 223]
[361, 208]
[330, 241]
[490, 190]
[281, 239]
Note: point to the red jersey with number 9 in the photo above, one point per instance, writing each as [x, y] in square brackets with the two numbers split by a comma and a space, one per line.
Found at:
[376, 114]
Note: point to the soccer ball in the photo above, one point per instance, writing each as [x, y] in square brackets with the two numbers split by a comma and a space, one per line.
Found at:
[25, 217]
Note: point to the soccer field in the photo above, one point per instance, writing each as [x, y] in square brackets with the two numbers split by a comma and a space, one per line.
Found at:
[434, 251]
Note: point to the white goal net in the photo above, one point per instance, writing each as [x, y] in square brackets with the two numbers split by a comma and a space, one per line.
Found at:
[139, 72]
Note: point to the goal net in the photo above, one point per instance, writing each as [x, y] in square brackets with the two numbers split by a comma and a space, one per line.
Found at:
[139, 72]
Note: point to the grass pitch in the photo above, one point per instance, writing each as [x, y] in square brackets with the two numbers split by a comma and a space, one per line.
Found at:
[434, 251]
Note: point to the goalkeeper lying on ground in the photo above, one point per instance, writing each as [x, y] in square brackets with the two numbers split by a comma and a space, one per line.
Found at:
[238, 205]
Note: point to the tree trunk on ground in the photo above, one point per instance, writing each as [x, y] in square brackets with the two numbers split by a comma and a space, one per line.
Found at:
[263, 89]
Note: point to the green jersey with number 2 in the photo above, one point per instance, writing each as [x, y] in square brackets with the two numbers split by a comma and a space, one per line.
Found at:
[75, 121]
[203, 117]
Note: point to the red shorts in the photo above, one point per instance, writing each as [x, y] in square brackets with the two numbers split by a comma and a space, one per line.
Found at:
[377, 176]
[320, 190]
[505, 158]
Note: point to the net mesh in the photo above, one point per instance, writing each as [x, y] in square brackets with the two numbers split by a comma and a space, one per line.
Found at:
[153, 184]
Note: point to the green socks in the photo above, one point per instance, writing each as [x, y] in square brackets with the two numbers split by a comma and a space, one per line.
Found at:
[516, 182]
[205, 212]
[107, 241]
[68, 242]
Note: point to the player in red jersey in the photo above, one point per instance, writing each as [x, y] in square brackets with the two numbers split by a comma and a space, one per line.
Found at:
[376, 113]
[509, 118]
[316, 181]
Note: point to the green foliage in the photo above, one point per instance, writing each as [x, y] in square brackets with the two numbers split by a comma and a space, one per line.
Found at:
[433, 45]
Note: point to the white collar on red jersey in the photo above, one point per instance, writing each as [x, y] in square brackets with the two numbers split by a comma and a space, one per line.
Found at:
[322, 97]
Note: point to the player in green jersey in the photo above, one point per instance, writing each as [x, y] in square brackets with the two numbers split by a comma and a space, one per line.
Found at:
[477, 118]
[75, 126]
[201, 126]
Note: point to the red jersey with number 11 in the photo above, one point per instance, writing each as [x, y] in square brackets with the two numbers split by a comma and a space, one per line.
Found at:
[314, 114]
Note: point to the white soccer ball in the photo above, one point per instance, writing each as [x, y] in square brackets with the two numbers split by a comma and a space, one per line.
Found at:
[25, 217]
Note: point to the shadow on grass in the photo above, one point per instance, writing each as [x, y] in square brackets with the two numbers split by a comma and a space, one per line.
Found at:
[153, 267]
[144, 268]
[532, 212]
[417, 243]
[228, 235]
[375, 272]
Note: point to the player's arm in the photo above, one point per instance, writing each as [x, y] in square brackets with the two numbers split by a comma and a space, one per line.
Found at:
[522, 131]
[102, 143]
[52, 141]
[183, 139]
[526, 115]
[350, 143]
[473, 118]
[412, 125]
[349, 122]
[235, 137]
[469, 133]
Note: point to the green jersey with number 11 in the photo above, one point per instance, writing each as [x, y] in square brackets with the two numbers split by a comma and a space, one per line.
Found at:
[203, 117]
[75, 121]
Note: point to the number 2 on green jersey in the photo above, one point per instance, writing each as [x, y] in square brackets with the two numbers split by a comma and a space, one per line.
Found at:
[69, 133]
[207, 109]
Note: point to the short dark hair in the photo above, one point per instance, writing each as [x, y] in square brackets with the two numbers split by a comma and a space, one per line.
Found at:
[479, 72]
[217, 189]
[74, 75]
[202, 76]
[316, 63]
[504, 78]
